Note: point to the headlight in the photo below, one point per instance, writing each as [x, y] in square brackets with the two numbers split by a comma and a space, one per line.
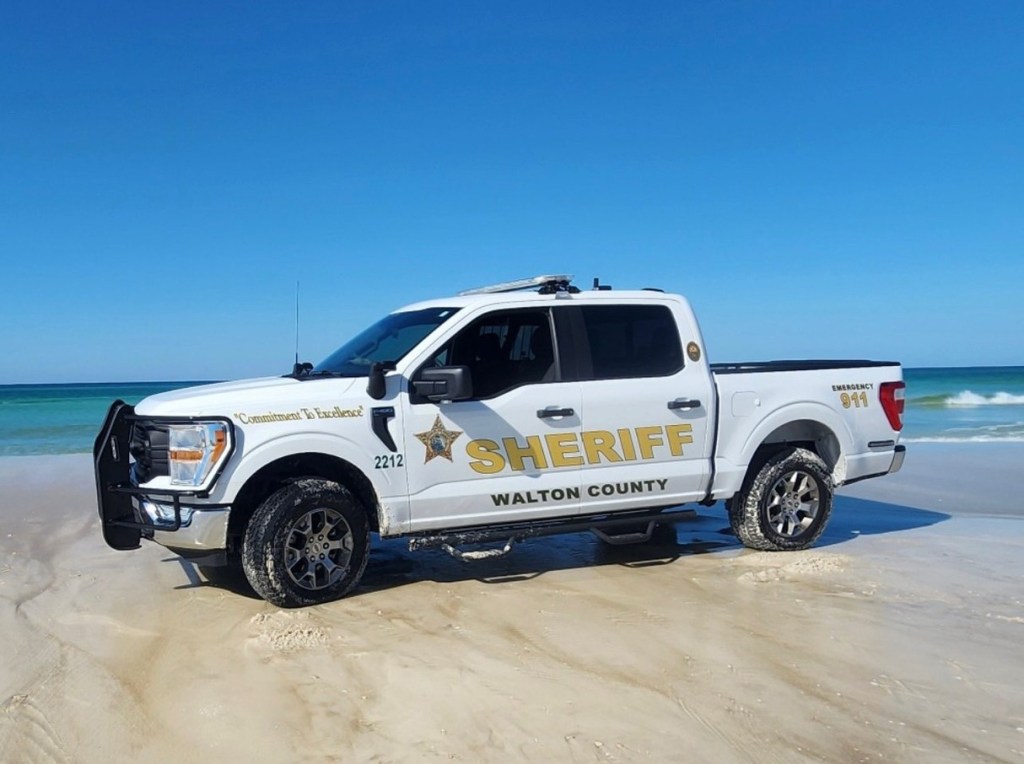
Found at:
[194, 450]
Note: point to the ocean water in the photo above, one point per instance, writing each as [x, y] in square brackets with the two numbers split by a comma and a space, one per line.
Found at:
[964, 405]
[63, 419]
[952, 405]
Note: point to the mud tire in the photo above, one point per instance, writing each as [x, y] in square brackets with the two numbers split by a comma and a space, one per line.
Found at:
[276, 529]
[783, 484]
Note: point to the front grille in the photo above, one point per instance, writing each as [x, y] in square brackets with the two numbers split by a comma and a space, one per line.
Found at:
[149, 447]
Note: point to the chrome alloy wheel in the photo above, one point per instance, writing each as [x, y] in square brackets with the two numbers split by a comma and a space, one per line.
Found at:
[318, 549]
[793, 503]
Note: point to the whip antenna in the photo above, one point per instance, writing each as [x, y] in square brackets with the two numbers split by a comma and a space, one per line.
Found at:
[296, 323]
[299, 369]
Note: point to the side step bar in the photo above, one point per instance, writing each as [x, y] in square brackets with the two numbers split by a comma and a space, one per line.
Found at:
[640, 537]
[601, 525]
[476, 555]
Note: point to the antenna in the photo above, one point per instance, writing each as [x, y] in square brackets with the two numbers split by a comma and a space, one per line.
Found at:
[296, 323]
[299, 369]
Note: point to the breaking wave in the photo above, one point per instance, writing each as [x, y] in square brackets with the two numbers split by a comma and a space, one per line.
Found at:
[968, 399]
[995, 433]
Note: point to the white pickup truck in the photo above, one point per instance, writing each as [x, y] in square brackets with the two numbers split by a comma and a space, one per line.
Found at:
[503, 413]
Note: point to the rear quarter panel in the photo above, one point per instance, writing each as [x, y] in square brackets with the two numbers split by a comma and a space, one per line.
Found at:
[755, 407]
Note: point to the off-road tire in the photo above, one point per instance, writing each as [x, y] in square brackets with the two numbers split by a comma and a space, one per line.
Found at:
[285, 557]
[785, 504]
[733, 516]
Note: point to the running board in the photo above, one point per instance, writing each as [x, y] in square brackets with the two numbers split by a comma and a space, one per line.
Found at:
[476, 555]
[638, 537]
[452, 542]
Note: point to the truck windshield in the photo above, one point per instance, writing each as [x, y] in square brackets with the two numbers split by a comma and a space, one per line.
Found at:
[387, 340]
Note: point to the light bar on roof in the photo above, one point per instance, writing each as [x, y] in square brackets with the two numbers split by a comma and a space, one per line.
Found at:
[515, 286]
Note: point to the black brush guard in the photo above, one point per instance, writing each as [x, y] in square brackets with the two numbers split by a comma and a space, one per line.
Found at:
[121, 524]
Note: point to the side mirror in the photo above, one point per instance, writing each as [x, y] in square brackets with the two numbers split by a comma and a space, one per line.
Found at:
[375, 386]
[448, 383]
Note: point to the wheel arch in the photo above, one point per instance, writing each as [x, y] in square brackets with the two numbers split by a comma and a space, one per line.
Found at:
[286, 469]
[815, 428]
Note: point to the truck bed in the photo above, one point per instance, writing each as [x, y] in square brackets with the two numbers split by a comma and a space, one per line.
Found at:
[751, 367]
[834, 404]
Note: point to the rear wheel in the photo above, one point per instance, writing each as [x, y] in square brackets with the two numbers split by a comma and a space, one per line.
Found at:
[785, 505]
[308, 543]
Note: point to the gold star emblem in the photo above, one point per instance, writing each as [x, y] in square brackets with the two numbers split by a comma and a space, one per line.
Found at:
[438, 441]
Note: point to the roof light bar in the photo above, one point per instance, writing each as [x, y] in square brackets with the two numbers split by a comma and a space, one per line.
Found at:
[515, 286]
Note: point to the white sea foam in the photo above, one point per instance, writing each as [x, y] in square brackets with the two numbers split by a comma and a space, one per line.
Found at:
[965, 439]
[968, 398]
[993, 433]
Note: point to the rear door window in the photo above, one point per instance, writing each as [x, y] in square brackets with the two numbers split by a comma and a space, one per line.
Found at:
[630, 341]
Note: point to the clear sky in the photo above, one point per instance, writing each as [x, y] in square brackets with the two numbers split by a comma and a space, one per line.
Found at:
[821, 179]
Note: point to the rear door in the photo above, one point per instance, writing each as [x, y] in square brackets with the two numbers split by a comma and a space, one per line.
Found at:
[646, 407]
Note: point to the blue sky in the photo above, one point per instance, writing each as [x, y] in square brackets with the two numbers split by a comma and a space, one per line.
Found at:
[821, 179]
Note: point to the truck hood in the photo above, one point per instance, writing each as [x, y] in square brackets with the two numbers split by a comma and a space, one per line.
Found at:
[227, 398]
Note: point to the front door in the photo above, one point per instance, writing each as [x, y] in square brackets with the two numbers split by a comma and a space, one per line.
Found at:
[511, 452]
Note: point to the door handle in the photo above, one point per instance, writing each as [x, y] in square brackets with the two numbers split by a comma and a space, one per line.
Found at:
[683, 403]
[553, 412]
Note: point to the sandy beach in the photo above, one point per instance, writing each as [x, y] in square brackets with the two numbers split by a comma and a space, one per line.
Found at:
[897, 638]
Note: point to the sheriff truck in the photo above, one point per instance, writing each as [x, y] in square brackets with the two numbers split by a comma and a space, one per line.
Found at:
[472, 422]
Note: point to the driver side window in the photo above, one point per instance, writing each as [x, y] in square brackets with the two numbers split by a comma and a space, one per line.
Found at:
[503, 350]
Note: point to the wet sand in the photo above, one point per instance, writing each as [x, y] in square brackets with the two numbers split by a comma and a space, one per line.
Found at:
[897, 638]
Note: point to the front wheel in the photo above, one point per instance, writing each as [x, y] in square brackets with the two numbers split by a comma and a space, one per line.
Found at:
[785, 505]
[308, 543]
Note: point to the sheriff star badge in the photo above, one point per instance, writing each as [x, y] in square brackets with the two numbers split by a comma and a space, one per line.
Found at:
[438, 441]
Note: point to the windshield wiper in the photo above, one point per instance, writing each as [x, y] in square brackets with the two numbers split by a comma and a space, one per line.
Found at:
[323, 373]
[305, 371]
[300, 369]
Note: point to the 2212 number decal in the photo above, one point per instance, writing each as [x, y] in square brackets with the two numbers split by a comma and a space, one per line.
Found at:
[386, 461]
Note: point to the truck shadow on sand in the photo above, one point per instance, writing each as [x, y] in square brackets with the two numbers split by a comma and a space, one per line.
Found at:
[392, 564]
[853, 517]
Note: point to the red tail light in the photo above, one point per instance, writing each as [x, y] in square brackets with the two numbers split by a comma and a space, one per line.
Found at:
[891, 395]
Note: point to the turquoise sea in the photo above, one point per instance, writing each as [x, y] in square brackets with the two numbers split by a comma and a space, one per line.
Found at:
[964, 405]
[955, 405]
[63, 418]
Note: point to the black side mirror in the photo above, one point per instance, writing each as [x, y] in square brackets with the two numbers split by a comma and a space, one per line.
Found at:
[375, 383]
[448, 383]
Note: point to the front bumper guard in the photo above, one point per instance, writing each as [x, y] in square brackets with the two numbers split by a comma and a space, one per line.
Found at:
[120, 522]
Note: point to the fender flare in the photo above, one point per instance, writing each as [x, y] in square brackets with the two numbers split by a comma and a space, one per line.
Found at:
[807, 411]
[239, 473]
